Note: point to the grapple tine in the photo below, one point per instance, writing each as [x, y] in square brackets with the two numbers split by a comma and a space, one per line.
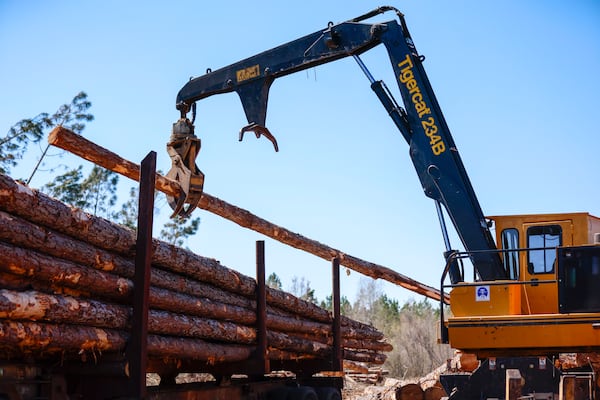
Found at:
[258, 131]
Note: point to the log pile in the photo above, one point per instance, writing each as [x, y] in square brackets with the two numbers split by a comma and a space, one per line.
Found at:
[66, 291]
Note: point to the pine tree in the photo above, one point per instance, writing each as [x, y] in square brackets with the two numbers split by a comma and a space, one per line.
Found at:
[177, 229]
[95, 194]
[13, 146]
[301, 288]
[273, 281]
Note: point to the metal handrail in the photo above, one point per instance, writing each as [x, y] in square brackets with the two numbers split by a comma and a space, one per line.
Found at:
[459, 255]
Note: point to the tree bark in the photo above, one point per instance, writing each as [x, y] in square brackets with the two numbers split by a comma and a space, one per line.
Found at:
[434, 392]
[80, 146]
[22, 233]
[69, 255]
[39, 209]
[39, 268]
[350, 343]
[18, 338]
[411, 391]
[36, 306]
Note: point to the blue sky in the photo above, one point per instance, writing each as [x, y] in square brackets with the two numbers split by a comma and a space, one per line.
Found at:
[517, 82]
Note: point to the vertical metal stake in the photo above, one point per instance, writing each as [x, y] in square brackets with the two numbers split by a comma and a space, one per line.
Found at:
[137, 348]
[261, 309]
[338, 351]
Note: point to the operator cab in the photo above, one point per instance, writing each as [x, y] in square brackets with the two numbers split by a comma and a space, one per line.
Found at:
[551, 300]
[545, 238]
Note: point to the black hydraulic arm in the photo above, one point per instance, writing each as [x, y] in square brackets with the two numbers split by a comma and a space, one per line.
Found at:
[421, 122]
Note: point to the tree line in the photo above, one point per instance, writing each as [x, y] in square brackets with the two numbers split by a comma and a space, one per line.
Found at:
[412, 327]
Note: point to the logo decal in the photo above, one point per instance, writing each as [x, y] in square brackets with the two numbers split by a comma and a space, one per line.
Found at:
[247, 73]
[482, 293]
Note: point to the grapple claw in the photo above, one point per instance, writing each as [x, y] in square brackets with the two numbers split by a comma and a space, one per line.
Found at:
[258, 131]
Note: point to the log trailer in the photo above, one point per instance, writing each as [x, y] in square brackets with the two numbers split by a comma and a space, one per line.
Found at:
[533, 295]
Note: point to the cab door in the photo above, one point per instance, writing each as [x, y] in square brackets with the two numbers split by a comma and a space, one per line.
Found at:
[539, 264]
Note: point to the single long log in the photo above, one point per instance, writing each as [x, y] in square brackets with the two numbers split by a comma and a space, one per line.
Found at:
[84, 148]
[26, 263]
[39, 338]
[44, 338]
[355, 367]
[40, 209]
[350, 343]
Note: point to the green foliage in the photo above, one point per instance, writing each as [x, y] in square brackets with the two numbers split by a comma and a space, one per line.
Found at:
[177, 229]
[421, 308]
[100, 190]
[301, 289]
[67, 187]
[128, 214]
[273, 281]
[95, 194]
[72, 116]
[14, 144]
[345, 305]
[410, 328]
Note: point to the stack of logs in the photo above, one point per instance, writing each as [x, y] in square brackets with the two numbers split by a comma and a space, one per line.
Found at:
[66, 290]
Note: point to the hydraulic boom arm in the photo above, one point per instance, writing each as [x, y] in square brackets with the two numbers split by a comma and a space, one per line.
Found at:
[421, 122]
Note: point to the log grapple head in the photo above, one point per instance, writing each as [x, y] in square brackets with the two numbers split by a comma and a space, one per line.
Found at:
[183, 148]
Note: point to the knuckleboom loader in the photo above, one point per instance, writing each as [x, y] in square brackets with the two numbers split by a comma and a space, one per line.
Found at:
[534, 290]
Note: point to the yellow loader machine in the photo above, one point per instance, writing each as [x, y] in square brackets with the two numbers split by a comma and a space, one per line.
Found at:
[518, 299]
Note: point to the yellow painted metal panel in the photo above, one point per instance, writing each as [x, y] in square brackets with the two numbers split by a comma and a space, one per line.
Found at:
[497, 299]
[526, 333]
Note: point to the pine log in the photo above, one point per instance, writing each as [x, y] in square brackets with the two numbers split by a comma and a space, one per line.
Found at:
[39, 267]
[411, 391]
[434, 392]
[104, 285]
[35, 306]
[84, 148]
[47, 339]
[13, 282]
[26, 263]
[355, 367]
[40, 209]
[22, 233]
[365, 356]
[468, 362]
[19, 338]
[36, 267]
[350, 343]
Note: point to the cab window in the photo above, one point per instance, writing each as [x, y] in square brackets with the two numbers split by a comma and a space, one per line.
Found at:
[510, 259]
[543, 240]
